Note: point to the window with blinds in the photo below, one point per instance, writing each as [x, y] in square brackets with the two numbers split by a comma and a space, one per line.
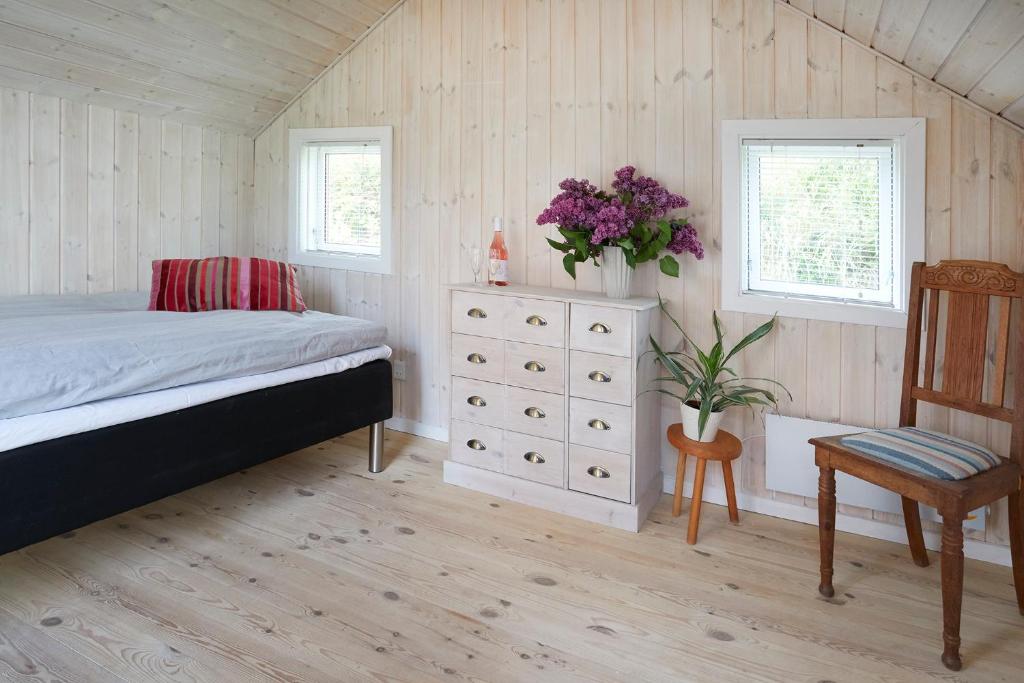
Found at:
[341, 198]
[819, 219]
[822, 218]
[350, 199]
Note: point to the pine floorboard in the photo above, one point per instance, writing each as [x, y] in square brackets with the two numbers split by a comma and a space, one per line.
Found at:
[307, 568]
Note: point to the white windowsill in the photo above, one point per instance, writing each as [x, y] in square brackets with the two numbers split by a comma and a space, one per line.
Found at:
[795, 307]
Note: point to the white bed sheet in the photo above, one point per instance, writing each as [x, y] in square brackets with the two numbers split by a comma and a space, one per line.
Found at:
[62, 351]
[27, 429]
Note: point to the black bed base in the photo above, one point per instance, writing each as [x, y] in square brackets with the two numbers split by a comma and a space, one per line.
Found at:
[55, 486]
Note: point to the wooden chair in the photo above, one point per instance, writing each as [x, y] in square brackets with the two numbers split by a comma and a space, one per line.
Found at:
[968, 288]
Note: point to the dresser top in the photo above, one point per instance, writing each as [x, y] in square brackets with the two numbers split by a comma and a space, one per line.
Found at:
[552, 294]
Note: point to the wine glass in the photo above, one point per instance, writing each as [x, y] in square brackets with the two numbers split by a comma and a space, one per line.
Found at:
[476, 256]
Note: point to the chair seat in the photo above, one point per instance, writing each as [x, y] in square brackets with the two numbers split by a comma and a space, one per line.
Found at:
[924, 451]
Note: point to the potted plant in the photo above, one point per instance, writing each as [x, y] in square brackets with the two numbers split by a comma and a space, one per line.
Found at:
[622, 228]
[707, 384]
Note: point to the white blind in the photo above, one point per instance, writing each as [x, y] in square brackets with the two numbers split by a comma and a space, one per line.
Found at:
[351, 198]
[819, 218]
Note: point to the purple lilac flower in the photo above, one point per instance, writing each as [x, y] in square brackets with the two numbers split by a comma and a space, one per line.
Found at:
[684, 238]
[577, 206]
[648, 199]
[611, 223]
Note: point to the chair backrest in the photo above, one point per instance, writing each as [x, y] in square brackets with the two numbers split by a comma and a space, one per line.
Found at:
[969, 304]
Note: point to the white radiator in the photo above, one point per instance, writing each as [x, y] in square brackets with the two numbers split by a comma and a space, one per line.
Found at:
[789, 467]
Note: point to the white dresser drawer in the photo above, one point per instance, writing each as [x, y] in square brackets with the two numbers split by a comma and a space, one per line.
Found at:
[602, 425]
[476, 401]
[479, 314]
[535, 321]
[478, 358]
[535, 367]
[476, 445]
[599, 473]
[601, 377]
[601, 329]
[535, 458]
[535, 412]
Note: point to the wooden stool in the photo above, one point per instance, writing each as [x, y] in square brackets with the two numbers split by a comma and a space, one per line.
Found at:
[725, 448]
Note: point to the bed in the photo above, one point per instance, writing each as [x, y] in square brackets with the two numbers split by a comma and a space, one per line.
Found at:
[105, 406]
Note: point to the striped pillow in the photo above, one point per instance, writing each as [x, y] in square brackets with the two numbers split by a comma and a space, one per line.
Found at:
[224, 282]
[924, 451]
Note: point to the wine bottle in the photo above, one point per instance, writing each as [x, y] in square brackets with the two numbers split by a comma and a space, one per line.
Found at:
[498, 256]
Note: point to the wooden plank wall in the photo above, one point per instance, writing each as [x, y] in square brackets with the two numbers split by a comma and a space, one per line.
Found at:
[493, 103]
[90, 195]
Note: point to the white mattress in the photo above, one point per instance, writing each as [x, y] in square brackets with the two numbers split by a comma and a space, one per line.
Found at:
[28, 429]
[62, 351]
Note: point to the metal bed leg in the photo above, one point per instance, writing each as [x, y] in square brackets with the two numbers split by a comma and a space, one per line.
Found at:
[377, 447]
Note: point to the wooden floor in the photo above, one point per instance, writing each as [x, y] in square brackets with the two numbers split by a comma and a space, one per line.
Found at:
[309, 569]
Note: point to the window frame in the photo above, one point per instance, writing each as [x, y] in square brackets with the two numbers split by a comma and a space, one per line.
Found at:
[908, 138]
[304, 151]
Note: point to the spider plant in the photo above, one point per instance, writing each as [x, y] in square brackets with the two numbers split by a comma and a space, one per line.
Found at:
[705, 380]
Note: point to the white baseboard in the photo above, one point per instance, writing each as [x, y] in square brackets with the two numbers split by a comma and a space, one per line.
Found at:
[976, 550]
[401, 424]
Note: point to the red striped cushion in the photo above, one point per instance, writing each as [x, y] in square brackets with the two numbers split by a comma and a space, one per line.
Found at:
[224, 282]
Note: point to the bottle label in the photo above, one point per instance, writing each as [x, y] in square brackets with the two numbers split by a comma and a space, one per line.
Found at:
[500, 269]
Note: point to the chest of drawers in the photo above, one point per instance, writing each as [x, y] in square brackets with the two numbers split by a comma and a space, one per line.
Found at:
[546, 406]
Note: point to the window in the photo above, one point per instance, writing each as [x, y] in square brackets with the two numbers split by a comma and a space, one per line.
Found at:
[822, 219]
[341, 198]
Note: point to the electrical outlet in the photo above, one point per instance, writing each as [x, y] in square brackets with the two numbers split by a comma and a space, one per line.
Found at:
[398, 369]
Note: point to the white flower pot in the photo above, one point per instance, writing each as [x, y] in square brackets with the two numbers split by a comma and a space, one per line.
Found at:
[616, 275]
[691, 422]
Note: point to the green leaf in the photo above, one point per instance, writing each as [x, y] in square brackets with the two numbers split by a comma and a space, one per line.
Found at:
[560, 246]
[630, 257]
[569, 263]
[761, 331]
[669, 266]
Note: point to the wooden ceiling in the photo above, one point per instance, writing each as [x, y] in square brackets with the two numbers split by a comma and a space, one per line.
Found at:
[232, 64]
[973, 47]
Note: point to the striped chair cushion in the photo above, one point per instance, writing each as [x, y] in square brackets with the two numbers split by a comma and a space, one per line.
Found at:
[224, 282]
[923, 451]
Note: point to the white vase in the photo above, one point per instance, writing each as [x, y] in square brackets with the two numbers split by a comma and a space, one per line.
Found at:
[691, 424]
[616, 275]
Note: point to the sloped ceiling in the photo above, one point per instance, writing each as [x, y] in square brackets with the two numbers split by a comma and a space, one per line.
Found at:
[232, 64]
[973, 47]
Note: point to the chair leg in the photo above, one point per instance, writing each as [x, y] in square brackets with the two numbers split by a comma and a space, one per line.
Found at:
[952, 589]
[826, 527]
[1017, 546]
[730, 492]
[677, 498]
[912, 518]
[695, 501]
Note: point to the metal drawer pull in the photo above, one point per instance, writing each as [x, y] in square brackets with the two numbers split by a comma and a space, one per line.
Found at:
[534, 412]
[600, 424]
[534, 457]
[476, 401]
[598, 376]
[598, 471]
[536, 320]
[534, 366]
[476, 313]
[476, 358]
[476, 445]
[600, 327]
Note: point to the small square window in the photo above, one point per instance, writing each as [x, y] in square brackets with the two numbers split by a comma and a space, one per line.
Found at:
[341, 198]
[823, 224]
